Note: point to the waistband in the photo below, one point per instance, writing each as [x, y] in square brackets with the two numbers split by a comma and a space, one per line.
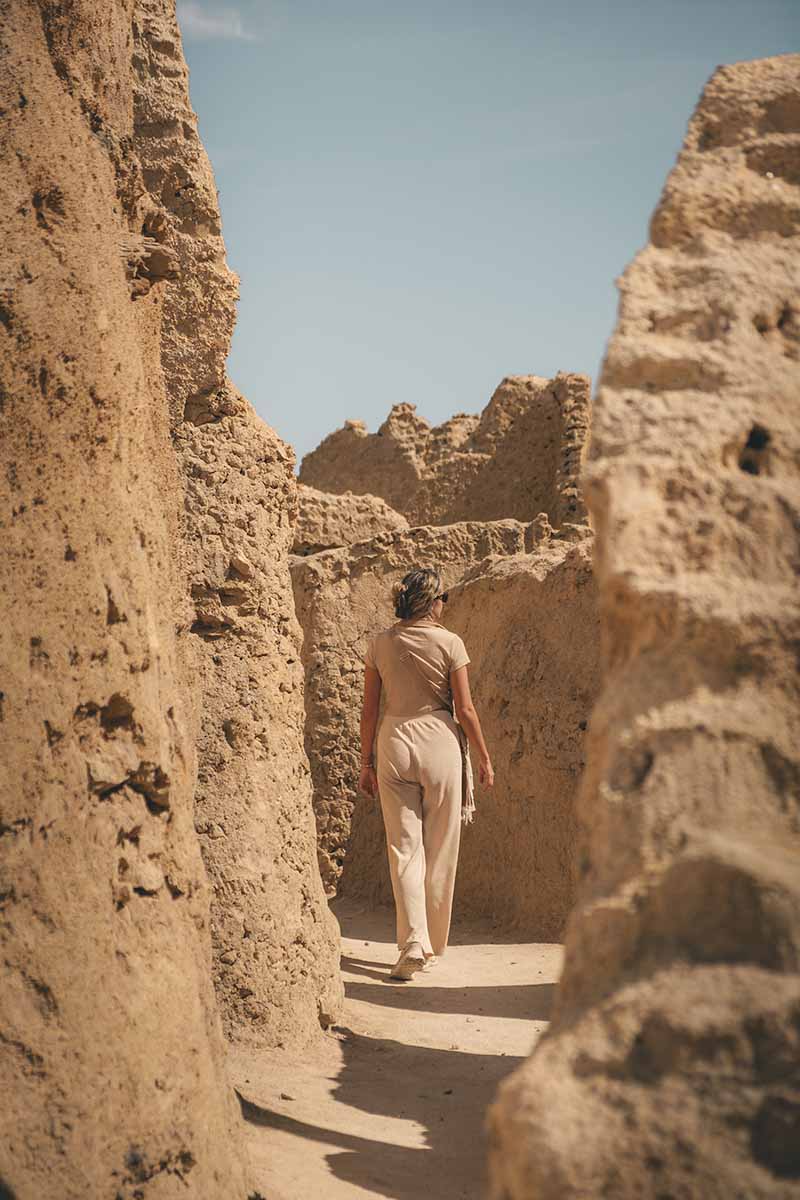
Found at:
[401, 718]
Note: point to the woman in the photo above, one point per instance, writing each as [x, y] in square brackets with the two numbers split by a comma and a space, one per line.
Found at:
[423, 668]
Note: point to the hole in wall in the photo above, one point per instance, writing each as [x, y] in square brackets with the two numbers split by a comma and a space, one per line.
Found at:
[753, 458]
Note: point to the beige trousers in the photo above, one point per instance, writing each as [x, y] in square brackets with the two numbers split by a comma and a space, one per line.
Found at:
[419, 778]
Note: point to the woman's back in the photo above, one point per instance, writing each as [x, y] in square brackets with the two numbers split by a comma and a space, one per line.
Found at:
[418, 765]
[414, 660]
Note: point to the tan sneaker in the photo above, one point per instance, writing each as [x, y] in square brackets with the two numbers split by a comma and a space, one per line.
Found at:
[410, 961]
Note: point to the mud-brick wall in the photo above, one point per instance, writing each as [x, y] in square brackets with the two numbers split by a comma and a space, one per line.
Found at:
[520, 457]
[672, 1064]
[111, 1048]
[531, 627]
[275, 944]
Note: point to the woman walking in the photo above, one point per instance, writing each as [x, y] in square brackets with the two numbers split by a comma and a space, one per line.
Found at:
[422, 668]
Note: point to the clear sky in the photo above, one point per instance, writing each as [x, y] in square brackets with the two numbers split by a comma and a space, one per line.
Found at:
[422, 196]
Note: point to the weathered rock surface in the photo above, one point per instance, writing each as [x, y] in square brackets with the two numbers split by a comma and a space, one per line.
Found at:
[524, 603]
[275, 943]
[111, 1061]
[326, 521]
[519, 458]
[150, 640]
[672, 1066]
[531, 626]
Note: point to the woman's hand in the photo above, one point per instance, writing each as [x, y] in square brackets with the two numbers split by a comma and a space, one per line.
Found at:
[368, 781]
[486, 772]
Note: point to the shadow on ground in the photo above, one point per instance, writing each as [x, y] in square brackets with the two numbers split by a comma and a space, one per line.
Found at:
[446, 1091]
[400, 1111]
[533, 999]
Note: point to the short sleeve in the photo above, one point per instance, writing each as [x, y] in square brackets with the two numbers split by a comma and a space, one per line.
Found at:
[369, 657]
[458, 653]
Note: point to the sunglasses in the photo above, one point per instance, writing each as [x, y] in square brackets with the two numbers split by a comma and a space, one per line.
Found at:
[444, 597]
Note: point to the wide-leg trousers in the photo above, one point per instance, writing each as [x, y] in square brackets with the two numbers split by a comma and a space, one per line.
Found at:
[419, 779]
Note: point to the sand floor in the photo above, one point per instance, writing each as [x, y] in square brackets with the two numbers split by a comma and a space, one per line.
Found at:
[392, 1104]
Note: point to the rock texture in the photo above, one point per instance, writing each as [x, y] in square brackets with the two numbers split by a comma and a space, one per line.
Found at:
[152, 686]
[519, 458]
[275, 943]
[111, 1058]
[530, 623]
[325, 521]
[671, 1067]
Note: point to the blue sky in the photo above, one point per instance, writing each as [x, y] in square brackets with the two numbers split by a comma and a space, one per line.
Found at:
[420, 198]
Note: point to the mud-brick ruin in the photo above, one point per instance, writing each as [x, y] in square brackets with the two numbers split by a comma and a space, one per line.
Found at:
[520, 456]
[181, 647]
[672, 1063]
[159, 882]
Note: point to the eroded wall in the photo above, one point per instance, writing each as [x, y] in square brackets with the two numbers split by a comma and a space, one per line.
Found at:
[520, 457]
[531, 626]
[275, 943]
[111, 1065]
[325, 521]
[671, 1064]
[152, 689]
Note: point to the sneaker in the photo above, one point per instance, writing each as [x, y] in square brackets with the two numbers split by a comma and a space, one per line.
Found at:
[410, 961]
[430, 961]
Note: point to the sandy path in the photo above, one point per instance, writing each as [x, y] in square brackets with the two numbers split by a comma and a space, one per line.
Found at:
[392, 1104]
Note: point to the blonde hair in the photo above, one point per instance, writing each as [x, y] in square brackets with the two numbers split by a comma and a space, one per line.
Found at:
[414, 595]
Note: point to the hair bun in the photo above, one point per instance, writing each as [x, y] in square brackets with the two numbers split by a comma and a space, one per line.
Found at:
[415, 593]
[400, 600]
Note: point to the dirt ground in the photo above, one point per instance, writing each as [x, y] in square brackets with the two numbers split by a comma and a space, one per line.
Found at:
[393, 1104]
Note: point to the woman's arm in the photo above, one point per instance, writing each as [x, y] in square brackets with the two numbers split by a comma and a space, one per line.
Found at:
[368, 780]
[468, 718]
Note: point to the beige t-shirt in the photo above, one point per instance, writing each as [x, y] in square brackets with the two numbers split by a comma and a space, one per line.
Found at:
[414, 661]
